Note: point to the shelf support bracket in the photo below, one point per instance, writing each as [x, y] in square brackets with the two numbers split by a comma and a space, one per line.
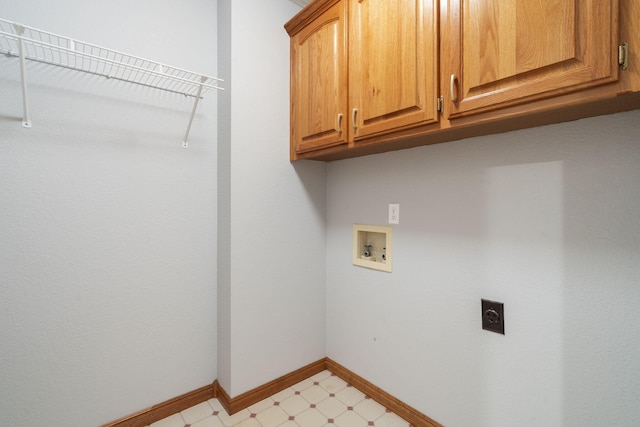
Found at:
[26, 120]
[185, 144]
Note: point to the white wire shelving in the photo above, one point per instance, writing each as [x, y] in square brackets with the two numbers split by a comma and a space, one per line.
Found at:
[27, 43]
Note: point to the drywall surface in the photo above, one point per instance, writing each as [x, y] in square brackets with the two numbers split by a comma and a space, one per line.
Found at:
[545, 220]
[107, 225]
[275, 295]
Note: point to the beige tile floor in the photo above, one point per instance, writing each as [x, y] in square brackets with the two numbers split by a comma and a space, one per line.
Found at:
[323, 400]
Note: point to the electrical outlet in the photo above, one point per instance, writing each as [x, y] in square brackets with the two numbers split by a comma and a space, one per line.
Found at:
[394, 213]
[493, 316]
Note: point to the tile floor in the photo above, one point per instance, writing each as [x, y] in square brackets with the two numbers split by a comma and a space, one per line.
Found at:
[323, 400]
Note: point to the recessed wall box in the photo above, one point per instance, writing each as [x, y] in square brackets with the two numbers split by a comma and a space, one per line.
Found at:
[372, 247]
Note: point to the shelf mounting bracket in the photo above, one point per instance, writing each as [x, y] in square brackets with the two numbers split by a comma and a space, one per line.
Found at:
[26, 120]
[185, 144]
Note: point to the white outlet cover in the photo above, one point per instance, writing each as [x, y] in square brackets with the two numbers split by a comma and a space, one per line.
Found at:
[394, 213]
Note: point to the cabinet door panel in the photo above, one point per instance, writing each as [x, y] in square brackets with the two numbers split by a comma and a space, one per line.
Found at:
[318, 83]
[506, 52]
[392, 64]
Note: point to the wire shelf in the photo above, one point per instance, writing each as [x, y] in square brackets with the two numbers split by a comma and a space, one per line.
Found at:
[24, 42]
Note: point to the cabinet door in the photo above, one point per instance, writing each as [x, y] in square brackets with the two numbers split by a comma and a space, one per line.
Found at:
[507, 52]
[319, 83]
[393, 65]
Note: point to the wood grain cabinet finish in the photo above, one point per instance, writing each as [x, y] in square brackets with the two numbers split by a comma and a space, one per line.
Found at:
[508, 52]
[393, 59]
[369, 76]
[384, 79]
[319, 82]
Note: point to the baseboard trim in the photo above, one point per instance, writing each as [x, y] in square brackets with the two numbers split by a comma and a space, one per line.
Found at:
[243, 401]
[412, 415]
[165, 409]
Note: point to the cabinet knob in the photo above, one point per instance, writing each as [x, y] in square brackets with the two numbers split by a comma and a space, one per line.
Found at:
[339, 123]
[453, 94]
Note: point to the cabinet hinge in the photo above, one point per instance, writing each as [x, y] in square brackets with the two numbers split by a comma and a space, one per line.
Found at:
[440, 104]
[623, 55]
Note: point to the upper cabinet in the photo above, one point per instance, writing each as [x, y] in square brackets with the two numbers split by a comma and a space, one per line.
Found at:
[501, 53]
[369, 76]
[393, 65]
[385, 78]
[319, 82]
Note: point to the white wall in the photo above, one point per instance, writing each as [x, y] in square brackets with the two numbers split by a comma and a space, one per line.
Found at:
[546, 220]
[107, 225]
[275, 247]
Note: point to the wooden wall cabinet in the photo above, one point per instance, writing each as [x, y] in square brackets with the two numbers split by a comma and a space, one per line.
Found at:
[319, 82]
[369, 76]
[393, 65]
[503, 53]
[385, 78]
